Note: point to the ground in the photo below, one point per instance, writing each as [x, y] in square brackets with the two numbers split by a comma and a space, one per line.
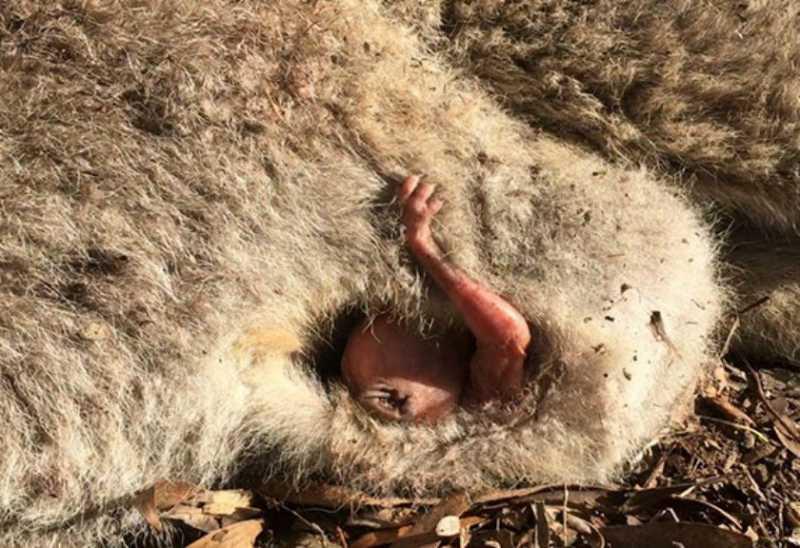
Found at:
[729, 477]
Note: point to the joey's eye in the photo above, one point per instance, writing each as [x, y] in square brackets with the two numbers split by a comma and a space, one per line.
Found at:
[386, 397]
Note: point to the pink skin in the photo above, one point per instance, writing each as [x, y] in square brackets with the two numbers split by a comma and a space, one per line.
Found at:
[398, 375]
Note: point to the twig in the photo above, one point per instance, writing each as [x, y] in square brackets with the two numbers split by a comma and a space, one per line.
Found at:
[729, 339]
[760, 435]
[564, 513]
[317, 529]
[753, 483]
[751, 306]
[737, 323]
[790, 428]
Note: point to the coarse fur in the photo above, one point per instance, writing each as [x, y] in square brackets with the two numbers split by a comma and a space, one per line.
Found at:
[191, 193]
[706, 93]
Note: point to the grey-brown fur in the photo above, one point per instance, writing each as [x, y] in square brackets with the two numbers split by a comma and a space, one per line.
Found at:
[190, 193]
[706, 93]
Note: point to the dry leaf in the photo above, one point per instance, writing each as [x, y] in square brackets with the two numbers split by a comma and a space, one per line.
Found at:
[542, 526]
[567, 536]
[378, 538]
[551, 494]
[454, 505]
[730, 411]
[495, 539]
[793, 514]
[405, 534]
[193, 517]
[703, 504]
[332, 496]
[238, 535]
[579, 525]
[648, 498]
[210, 510]
[786, 438]
[383, 518]
[225, 503]
[162, 495]
[668, 534]
[448, 526]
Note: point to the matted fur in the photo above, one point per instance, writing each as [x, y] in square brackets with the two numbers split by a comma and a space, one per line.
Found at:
[704, 92]
[191, 191]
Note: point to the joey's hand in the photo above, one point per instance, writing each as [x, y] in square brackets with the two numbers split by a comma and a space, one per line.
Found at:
[418, 210]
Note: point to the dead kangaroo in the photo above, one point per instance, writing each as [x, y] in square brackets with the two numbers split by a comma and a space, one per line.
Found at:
[704, 93]
[198, 202]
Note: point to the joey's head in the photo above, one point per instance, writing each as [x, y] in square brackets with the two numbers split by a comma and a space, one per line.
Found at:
[398, 375]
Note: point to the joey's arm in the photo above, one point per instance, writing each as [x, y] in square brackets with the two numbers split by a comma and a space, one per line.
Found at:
[501, 333]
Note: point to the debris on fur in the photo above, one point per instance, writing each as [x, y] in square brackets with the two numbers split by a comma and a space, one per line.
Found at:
[729, 478]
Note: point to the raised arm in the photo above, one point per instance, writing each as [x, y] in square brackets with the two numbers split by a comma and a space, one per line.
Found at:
[501, 333]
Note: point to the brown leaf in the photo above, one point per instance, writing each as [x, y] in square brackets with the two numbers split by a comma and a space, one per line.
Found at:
[210, 510]
[656, 473]
[689, 501]
[238, 535]
[145, 503]
[387, 536]
[786, 438]
[578, 524]
[668, 534]
[225, 503]
[552, 495]
[454, 505]
[162, 495]
[333, 496]
[169, 493]
[759, 452]
[512, 494]
[378, 538]
[193, 517]
[730, 411]
[383, 518]
[495, 539]
[542, 526]
[646, 498]
[793, 514]
[789, 426]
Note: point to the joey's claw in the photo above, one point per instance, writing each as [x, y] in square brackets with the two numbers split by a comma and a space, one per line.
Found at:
[407, 187]
[423, 192]
[418, 210]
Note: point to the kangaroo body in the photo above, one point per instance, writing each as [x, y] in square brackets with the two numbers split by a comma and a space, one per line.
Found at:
[192, 196]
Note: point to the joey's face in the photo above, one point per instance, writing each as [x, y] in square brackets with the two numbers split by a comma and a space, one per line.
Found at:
[400, 376]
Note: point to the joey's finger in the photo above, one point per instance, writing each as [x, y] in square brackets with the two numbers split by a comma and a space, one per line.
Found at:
[436, 205]
[424, 191]
[407, 187]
